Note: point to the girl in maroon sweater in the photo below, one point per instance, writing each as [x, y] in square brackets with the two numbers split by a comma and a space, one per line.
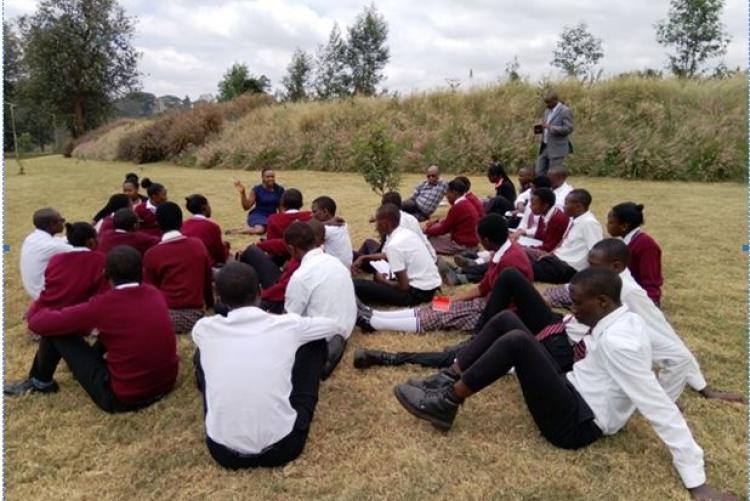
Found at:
[116, 202]
[552, 221]
[205, 230]
[157, 195]
[624, 221]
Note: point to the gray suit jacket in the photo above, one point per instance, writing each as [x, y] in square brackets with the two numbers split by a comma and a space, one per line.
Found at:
[561, 126]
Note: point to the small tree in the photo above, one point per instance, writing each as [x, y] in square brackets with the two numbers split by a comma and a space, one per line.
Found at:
[367, 52]
[375, 155]
[237, 81]
[512, 69]
[331, 77]
[695, 31]
[296, 83]
[577, 51]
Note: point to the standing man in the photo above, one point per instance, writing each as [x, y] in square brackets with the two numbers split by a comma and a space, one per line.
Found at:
[555, 128]
[427, 195]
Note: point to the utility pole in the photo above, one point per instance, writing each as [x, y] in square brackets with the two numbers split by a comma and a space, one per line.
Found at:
[15, 138]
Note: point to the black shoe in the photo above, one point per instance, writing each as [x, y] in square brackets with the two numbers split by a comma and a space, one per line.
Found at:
[363, 310]
[30, 385]
[443, 379]
[437, 407]
[367, 358]
[336, 347]
[364, 324]
[463, 262]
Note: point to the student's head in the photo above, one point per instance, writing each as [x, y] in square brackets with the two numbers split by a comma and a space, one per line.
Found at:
[131, 177]
[550, 99]
[130, 187]
[156, 192]
[542, 200]
[595, 292]
[557, 176]
[577, 202]
[525, 175]
[299, 239]
[237, 285]
[49, 220]
[456, 189]
[496, 172]
[268, 177]
[432, 174]
[324, 208]
[169, 217]
[392, 197]
[624, 218]
[125, 219]
[466, 181]
[291, 199]
[493, 231]
[81, 235]
[118, 201]
[198, 204]
[541, 182]
[610, 253]
[319, 231]
[123, 265]
[387, 218]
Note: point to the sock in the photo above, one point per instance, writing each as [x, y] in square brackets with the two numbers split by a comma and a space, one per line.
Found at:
[452, 397]
[405, 324]
[382, 314]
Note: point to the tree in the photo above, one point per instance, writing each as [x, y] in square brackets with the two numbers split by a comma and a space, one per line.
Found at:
[80, 58]
[297, 81]
[512, 70]
[366, 51]
[331, 77]
[237, 81]
[374, 155]
[12, 75]
[695, 31]
[577, 51]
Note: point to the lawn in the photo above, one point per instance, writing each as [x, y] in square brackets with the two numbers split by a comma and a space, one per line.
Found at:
[363, 445]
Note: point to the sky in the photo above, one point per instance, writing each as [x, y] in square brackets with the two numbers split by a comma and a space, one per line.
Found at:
[188, 45]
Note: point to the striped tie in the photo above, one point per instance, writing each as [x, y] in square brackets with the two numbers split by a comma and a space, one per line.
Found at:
[579, 349]
[552, 329]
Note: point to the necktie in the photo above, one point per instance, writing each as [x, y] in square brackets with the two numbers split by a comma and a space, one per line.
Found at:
[579, 349]
[551, 329]
[539, 235]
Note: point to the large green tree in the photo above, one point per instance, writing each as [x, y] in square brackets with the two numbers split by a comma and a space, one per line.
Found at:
[331, 74]
[237, 81]
[367, 52]
[80, 58]
[12, 75]
[296, 82]
[577, 51]
[695, 31]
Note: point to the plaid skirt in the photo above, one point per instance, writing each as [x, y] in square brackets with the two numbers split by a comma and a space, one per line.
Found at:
[462, 316]
[558, 297]
[183, 320]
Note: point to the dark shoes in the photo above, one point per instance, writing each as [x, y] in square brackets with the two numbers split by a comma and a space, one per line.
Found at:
[443, 379]
[438, 407]
[364, 314]
[463, 262]
[367, 358]
[336, 347]
[30, 385]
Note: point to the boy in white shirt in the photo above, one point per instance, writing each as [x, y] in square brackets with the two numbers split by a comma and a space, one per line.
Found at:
[337, 241]
[39, 247]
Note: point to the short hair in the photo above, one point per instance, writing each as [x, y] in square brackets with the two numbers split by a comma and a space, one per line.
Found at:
[264, 170]
[300, 235]
[546, 195]
[195, 203]
[326, 203]
[44, 218]
[596, 281]
[131, 177]
[613, 249]
[541, 182]
[392, 197]
[629, 213]
[292, 199]
[390, 212]
[117, 201]
[319, 231]
[152, 188]
[237, 284]
[464, 180]
[550, 94]
[581, 196]
[457, 187]
[494, 228]
[169, 217]
[124, 219]
[79, 233]
[123, 265]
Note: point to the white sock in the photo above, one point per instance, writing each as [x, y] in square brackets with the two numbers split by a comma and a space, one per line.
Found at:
[404, 324]
[407, 313]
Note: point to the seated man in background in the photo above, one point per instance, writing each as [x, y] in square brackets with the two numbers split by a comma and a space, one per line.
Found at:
[427, 195]
[39, 247]
[134, 362]
[126, 232]
[259, 375]
[457, 231]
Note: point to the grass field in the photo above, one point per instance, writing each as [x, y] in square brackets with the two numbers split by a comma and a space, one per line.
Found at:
[363, 445]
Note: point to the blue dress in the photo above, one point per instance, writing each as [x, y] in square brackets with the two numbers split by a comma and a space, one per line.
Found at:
[266, 203]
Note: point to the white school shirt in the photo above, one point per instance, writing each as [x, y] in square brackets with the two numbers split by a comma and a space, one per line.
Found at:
[527, 216]
[629, 237]
[322, 287]
[677, 365]
[338, 244]
[615, 379]
[582, 234]
[405, 251]
[561, 192]
[36, 251]
[410, 223]
[523, 198]
[247, 358]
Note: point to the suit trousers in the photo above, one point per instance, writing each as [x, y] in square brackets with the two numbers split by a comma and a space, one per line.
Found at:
[544, 163]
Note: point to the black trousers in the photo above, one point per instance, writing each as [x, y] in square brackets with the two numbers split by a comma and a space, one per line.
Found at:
[552, 270]
[475, 273]
[370, 292]
[268, 272]
[498, 205]
[308, 364]
[411, 207]
[369, 246]
[559, 411]
[88, 366]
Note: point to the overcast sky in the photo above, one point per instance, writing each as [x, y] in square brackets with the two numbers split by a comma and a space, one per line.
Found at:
[188, 45]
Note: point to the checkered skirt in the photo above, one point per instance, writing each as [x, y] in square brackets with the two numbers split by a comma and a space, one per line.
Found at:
[183, 320]
[462, 316]
[558, 297]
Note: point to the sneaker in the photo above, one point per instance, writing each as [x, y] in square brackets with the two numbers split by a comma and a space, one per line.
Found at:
[443, 379]
[30, 385]
[437, 407]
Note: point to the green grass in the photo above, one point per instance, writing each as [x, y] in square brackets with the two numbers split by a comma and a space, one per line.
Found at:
[362, 444]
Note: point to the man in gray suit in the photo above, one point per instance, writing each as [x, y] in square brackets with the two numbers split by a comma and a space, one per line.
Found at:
[555, 129]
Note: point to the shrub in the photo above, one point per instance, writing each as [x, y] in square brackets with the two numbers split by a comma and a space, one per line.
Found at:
[375, 155]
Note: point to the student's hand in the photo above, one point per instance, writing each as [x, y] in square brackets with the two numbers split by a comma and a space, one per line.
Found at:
[379, 278]
[706, 493]
[357, 264]
[239, 186]
[336, 221]
[712, 393]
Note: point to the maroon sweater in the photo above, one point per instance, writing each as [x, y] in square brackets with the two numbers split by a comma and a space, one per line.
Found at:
[277, 291]
[147, 220]
[138, 240]
[551, 234]
[478, 205]
[181, 270]
[645, 264]
[134, 327]
[514, 257]
[278, 223]
[460, 222]
[209, 233]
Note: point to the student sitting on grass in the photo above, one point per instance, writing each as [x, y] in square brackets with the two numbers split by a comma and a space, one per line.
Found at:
[505, 192]
[204, 229]
[157, 195]
[125, 232]
[551, 223]
[611, 378]
[262, 201]
[337, 241]
[273, 245]
[457, 231]
[259, 375]
[39, 247]
[180, 268]
[471, 197]
[134, 361]
[129, 189]
[116, 202]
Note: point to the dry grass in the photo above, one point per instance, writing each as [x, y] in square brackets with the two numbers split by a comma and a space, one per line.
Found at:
[362, 444]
